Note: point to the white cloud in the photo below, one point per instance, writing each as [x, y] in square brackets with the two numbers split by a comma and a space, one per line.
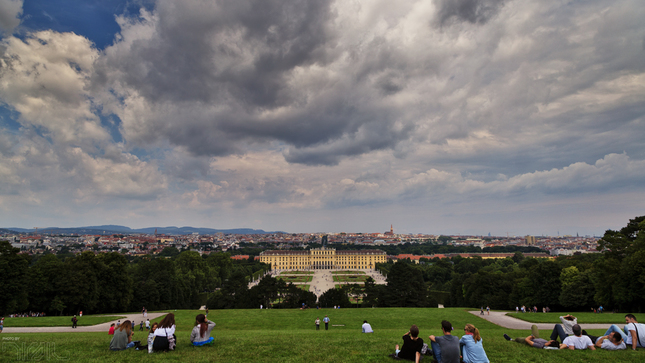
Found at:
[10, 11]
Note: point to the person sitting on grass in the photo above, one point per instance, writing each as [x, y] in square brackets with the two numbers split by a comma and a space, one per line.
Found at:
[151, 337]
[535, 341]
[165, 338]
[472, 346]
[122, 338]
[412, 345]
[633, 333]
[202, 331]
[577, 341]
[445, 348]
[111, 330]
[565, 329]
[367, 328]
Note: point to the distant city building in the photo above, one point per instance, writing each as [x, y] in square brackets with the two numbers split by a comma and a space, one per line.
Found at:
[323, 259]
[530, 240]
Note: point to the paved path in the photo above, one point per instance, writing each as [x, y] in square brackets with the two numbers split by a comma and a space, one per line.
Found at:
[104, 327]
[500, 318]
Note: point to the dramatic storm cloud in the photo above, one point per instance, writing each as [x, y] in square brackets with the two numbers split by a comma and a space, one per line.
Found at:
[468, 116]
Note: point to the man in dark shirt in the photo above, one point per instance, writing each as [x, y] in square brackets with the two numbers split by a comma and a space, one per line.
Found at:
[445, 348]
[412, 345]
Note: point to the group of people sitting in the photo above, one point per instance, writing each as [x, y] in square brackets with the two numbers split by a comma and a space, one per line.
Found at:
[446, 348]
[573, 337]
[161, 336]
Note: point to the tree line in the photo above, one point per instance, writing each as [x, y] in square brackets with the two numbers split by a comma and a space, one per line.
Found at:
[109, 282]
[614, 279]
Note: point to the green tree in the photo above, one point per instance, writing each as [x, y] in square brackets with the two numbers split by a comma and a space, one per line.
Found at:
[577, 288]
[334, 297]
[13, 270]
[405, 286]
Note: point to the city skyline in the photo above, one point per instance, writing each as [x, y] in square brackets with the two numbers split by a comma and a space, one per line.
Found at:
[439, 117]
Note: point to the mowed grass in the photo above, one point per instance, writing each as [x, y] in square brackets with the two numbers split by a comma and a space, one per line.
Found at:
[348, 273]
[297, 273]
[302, 278]
[58, 320]
[277, 335]
[586, 318]
[350, 279]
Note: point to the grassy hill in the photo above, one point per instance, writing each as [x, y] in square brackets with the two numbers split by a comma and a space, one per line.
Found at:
[290, 336]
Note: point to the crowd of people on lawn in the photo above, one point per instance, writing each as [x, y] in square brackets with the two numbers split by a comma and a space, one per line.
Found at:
[161, 335]
[447, 348]
[573, 337]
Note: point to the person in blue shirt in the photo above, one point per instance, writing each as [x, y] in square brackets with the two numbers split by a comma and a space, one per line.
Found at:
[472, 348]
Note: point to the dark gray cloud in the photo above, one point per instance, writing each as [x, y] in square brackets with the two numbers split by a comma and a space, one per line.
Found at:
[230, 51]
[472, 11]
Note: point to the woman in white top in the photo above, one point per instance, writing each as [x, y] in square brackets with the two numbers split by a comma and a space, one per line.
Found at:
[165, 338]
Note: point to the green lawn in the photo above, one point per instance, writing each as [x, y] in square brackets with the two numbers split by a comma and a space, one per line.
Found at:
[58, 320]
[297, 273]
[348, 273]
[350, 279]
[604, 318]
[303, 287]
[340, 286]
[277, 335]
[305, 278]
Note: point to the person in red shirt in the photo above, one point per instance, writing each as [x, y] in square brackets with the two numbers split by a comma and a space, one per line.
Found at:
[111, 331]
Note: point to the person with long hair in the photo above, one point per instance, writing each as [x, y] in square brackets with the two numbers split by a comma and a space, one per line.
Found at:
[472, 348]
[151, 336]
[202, 331]
[122, 338]
[165, 338]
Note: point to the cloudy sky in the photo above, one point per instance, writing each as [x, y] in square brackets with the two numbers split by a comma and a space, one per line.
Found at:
[443, 116]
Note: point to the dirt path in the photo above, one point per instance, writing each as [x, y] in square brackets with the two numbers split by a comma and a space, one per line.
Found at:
[104, 327]
[500, 318]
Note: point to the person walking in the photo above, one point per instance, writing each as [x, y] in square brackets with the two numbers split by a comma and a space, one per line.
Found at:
[326, 321]
[317, 322]
[74, 322]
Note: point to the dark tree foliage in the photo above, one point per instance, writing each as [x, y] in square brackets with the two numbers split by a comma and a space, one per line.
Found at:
[405, 286]
[334, 297]
[13, 269]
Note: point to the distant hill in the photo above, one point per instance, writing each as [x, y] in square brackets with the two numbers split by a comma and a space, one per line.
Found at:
[115, 229]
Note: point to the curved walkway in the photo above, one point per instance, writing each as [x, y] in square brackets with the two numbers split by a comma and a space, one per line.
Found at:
[103, 327]
[500, 318]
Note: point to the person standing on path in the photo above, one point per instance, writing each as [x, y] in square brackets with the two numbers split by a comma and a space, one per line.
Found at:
[488, 310]
[326, 321]
[74, 322]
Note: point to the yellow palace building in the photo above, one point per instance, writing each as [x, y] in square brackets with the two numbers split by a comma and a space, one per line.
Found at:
[323, 259]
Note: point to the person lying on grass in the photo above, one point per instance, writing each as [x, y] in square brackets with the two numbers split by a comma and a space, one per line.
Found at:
[412, 345]
[535, 341]
[577, 341]
[565, 329]
[202, 331]
[612, 341]
[633, 333]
